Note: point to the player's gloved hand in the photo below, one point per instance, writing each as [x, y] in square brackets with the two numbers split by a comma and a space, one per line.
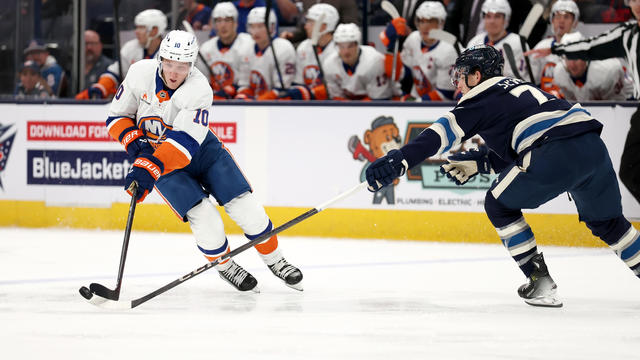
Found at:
[465, 165]
[395, 29]
[294, 93]
[135, 142]
[95, 92]
[145, 171]
[383, 171]
[269, 95]
[227, 92]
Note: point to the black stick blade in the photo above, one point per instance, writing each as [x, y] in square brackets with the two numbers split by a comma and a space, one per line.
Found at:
[102, 291]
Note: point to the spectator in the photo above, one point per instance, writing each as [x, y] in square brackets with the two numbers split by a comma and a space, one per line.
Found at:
[195, 13]
[581, 80]
[50, 71]
[348, 10]
[95, 63]
[32, 85]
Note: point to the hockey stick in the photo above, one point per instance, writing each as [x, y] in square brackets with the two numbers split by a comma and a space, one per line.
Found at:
[508, 53]
[101, 290]
[315, 36]
[447, 37]
[130, 304]
[525, 31]
[388, 7]
[273, 51]
[116, 38]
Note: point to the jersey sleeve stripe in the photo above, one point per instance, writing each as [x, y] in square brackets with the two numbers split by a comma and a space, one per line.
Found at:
[450, 132]
[172, 156]
[117, 124]
[532, 128]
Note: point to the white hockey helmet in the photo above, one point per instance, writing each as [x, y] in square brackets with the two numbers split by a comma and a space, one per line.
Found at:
[180, 46]
[257, 16]
[347, 33]
[225, 10]
[331, 16]
[431, 10]
[151, 18]
[566, 6]
[498, 7]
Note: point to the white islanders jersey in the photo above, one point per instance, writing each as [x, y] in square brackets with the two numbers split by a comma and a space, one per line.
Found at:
[368, 80]
[130, 53]
[225, 62]
[430, 66]
[307, 69]
[518, 55]
[175, 121]
[605, 80]
[261, 75]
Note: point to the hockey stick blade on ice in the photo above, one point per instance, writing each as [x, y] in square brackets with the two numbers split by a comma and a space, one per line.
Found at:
[130, 304]
[101, 290]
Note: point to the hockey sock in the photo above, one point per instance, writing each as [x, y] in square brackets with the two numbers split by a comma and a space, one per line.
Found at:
[518, 238]
[623, 239]
[213, 255]
[267, 249]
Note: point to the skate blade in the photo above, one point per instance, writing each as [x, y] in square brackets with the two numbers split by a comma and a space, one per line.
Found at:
[544, 301]
[297, 286]
[255, 290]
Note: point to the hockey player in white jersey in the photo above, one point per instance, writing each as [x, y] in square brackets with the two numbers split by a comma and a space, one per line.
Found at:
[308, 71]
[161, 114]
[496, 15]
[564, 19]
[263, 76]
[150, 27]
[581, 80]
[355, 72]
[225, 53]
[428, 61]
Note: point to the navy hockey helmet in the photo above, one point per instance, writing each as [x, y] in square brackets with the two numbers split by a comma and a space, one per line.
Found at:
[484, 58]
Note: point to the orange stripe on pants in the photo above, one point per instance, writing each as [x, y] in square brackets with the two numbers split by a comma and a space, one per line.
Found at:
[214, 258]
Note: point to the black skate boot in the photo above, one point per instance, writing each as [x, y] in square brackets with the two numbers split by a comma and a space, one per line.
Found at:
[540, 289]
[239, 278]
[291, 275]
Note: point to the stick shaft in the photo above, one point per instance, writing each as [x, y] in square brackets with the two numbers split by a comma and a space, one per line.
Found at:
[248, 245]
[127, 234]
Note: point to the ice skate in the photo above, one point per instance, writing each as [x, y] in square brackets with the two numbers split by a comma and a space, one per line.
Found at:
[291, 275]
[540, 289]
[239, 278]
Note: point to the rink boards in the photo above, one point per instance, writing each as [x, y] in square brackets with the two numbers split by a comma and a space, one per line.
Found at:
[58, 167]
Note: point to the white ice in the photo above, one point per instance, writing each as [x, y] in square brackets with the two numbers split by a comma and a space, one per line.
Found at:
[363, 299]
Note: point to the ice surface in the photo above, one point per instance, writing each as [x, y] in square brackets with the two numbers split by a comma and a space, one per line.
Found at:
[363, 299]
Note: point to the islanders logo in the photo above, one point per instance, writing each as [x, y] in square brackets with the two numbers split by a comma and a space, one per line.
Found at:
[223, 75]
[311, 75]
[6, 142]
[382, 137]
[257, 82]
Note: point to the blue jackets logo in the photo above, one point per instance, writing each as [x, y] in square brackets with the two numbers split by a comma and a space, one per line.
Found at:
[5, 148]
[63, 167]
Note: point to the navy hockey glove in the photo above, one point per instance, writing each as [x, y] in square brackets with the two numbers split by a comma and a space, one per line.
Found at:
[463, 166]
[135, 142]
[383, 171]
[145, 171]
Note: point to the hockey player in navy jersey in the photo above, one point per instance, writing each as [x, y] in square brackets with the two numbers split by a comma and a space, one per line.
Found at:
[540, 145]
[161, 115]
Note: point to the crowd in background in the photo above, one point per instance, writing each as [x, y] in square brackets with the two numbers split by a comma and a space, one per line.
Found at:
[408, 66]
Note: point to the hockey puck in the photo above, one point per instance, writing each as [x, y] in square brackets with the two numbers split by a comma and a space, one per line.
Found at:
[86, 293]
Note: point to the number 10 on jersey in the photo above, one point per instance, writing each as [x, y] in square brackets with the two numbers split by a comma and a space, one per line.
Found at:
[202, 117]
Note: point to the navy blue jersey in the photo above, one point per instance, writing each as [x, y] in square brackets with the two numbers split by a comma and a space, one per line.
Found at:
[511, 116]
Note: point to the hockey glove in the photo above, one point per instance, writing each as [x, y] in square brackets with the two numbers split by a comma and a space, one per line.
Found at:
[135, 142]
[395, 29]
[145, 171]
[295, 92]
[383, 171]
[463, 166]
